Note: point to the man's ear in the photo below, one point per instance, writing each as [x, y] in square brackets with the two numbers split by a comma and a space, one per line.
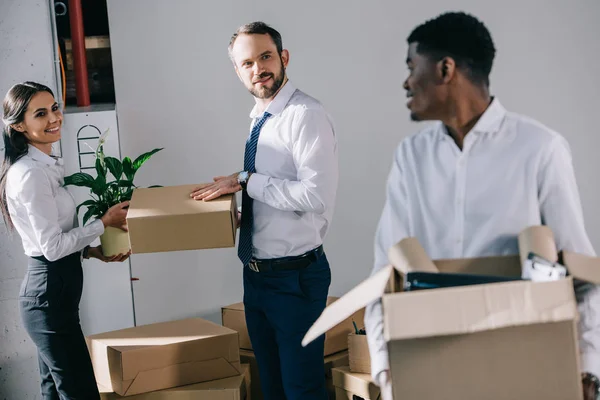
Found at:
[446, 69]
[285, 57]
[237, 72]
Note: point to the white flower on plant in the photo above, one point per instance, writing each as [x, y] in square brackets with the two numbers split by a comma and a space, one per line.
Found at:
[100, 150]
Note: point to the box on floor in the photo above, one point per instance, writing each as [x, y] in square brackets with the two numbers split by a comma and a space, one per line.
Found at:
[498, 341]
[336, 339]
[160, 356]
[168, 219]
[353, 386]
[234, 388]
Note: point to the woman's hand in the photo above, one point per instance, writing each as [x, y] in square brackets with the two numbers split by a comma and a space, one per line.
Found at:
[115, 216]
[96, 252]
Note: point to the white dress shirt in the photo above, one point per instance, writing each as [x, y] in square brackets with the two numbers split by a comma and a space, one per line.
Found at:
[513, 172]
[296, 177]
[43, 211]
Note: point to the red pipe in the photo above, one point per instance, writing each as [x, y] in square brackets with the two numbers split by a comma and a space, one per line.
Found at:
[82, 89]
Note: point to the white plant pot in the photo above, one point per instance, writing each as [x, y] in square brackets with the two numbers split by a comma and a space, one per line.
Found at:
[114, 241]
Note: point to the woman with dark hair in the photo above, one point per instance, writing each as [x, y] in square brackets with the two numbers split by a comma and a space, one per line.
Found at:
[34, 201]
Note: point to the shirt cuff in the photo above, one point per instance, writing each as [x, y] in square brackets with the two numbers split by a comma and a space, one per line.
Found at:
[96, 227]
[590, 362]
[256, 186]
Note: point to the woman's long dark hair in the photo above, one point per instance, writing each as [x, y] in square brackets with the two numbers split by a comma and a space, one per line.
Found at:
[15, 143]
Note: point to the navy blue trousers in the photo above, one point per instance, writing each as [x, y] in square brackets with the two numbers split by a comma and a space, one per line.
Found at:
[49, 304]
[280, 308]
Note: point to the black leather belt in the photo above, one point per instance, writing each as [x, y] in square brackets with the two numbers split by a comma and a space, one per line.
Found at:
[286, 263]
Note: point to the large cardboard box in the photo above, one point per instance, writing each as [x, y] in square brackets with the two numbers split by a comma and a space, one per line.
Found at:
[167, 219]
[333, 361]
[358, 353]
[164, 355]
[234, 388]
[501, 341]
[354, 386]
[336, 339]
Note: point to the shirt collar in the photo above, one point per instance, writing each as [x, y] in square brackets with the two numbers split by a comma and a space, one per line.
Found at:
[40, 156]
[491, 120]
[277, 105]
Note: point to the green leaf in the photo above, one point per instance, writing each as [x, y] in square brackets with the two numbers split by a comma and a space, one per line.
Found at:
[80, 179]
[143, 158]
[100, 168]
[86, 203]
[114, 166]
[126, 184]
[128, 168]
[127, 195]
[99, 185]
[91, 212]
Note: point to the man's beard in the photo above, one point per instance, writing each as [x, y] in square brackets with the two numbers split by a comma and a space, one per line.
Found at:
[268, 92]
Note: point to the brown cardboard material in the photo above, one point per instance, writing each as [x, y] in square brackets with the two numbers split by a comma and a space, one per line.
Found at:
[333, 361]
[234, 388]
[336, 339]
[354, 386]
[497, 341]
[358, 354]
[164, 355]
[167, 219]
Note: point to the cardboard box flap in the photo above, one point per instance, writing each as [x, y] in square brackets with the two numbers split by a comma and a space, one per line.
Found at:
[182, 374]
[539, 240]
[470, 309]
[158, 202]
[235, 307]
[362, 295]
[582, 267]
[408, 256]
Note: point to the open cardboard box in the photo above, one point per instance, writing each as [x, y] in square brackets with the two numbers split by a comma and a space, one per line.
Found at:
[168, 219]
[510, 340]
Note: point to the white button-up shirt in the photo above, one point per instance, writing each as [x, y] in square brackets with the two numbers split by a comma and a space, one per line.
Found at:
[43, 211]
[296, 177]
[512, 173]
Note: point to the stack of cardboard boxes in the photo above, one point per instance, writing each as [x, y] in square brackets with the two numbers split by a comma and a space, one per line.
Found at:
[191, 358]
[336, 344]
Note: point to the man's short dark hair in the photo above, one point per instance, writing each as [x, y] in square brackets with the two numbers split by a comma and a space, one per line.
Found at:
[460, 36]
[258, 28]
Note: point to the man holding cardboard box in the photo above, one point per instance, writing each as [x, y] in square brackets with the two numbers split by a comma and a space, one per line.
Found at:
[289, 184]
[466, 186]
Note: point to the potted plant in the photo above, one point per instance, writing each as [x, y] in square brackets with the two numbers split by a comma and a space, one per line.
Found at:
[106, 193]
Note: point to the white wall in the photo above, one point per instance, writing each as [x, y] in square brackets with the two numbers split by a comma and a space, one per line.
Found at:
[25, 54]
[176, 88]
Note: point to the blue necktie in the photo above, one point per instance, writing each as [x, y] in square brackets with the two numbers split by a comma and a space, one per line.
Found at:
[245, 242]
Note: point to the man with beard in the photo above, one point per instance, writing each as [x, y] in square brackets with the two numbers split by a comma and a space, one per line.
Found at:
[465, 186]
[288, 184]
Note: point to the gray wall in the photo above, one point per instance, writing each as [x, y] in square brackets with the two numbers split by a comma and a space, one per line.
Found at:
[176, 88]
[25, 54]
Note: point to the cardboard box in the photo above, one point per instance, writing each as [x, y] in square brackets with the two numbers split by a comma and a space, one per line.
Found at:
[336, 339]
[333, 361]
[512, 340]
[354, 386]
[164, 355]
[167, 219]
[358, 354]
[234, 388]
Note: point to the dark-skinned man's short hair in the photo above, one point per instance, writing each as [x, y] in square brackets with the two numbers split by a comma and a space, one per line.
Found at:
[460, 36]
